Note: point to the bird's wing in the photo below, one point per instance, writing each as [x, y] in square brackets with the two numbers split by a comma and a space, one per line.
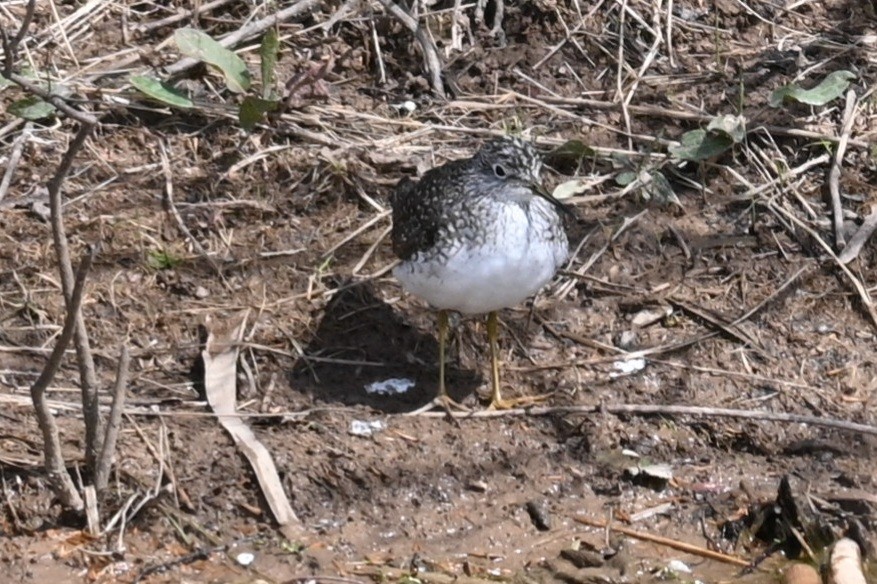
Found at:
[419, 210]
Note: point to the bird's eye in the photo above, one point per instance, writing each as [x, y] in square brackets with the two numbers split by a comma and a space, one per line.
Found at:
[499, 171]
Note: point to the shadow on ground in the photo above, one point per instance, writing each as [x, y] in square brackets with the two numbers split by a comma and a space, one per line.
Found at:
[360, 340]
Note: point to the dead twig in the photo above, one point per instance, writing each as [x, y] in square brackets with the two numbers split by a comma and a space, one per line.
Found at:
[195, 12]
[432, 63]
[857, 284]
[114, 424]
[59, 102]
[168, 200]
[10, 46]
[666, 410]
[858, 240]
[663, 112]
[59, 478]
[12, 163]
[834, 173]
[85, 359]
[666, 541]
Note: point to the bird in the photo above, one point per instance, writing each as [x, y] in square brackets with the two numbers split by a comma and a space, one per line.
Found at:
[474, 236]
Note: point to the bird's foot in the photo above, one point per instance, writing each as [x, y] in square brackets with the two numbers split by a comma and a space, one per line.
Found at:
[443, 401]
[518, 402]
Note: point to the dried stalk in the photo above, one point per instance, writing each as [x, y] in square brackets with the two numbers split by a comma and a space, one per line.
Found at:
[85, 359]
[431, 60]
[59, 478]
[114, 424]
[834, 173]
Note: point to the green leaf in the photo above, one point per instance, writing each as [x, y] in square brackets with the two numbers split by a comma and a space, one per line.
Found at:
[268, 54]
[253, 111]
[832, 87]
[733, 126]
[159, 259]
[699, 145]
[625, 178]
[160, 91]
[194, 43]
[568, 155]
[31, 108]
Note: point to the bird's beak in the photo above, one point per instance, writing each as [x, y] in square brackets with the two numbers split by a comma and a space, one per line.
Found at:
[540, 190]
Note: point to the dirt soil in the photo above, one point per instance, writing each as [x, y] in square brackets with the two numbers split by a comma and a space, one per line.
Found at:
[728, 290]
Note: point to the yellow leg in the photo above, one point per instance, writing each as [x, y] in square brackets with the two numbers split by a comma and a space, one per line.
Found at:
[442, 339]
[496, 401]
[492, 333]
[442, 399]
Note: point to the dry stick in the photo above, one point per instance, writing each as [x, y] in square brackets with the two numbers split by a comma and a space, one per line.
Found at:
[14, 158]
[859, 238]
[249, 31]
[114, 424]
[430, 55]
[857, 284]
[172, 209]
[673, 543]
[56, 100]
[666, 410]
[59, 478]
[657, 111]
[85, 359]
[834, 173]
[10, 46]
[197, 11]
[619, 78]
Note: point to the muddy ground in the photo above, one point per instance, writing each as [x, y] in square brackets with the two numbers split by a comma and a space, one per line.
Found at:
[728, 289]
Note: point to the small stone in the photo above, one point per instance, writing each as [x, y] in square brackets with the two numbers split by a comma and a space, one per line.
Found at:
[201, 292]
[625, 340]
[582, 558]
[539, 515]
[245, 558]
[678, 566]
[647, 317]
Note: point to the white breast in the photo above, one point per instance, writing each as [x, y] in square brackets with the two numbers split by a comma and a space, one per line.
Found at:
[518, 258]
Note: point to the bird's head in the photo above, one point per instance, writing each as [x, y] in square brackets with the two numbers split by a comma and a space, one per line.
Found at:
[511, 159]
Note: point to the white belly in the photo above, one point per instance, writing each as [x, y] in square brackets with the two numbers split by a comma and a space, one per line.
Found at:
[509, 267]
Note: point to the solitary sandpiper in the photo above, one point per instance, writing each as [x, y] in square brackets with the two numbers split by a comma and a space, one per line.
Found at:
[477, 235]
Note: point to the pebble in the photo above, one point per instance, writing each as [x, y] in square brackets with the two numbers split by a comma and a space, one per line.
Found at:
[539, 515]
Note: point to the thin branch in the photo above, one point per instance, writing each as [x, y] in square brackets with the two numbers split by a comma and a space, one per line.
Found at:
[85, 359]
[666, 541]
[114, 424]
[195, 12]
[56, 470]
[431, 60]
[834, 173]
[864, 296]
[666, 410]
[12, 164]
[59, 102]
[10, 46]
[859, 238]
